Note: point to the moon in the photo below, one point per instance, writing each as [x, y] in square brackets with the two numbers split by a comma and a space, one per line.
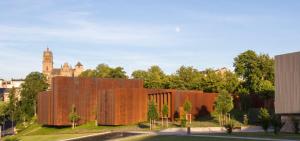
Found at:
[177, 29]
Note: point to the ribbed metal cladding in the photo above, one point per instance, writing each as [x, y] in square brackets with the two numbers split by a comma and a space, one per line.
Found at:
[115, 101]
[111, 101]
[202, 103]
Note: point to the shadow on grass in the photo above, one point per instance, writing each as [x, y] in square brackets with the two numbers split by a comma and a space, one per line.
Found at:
[143, 125]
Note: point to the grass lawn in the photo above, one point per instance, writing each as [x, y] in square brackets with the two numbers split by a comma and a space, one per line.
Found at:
[176, 138]
[50, 137]
[45, 133]
[266, 135]
[195, 138]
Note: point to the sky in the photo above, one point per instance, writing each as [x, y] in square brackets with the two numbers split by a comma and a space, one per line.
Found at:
[137, 34]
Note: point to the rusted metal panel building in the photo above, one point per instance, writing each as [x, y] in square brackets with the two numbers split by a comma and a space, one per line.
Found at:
[112, 101]
[287, 88]
[202, 103]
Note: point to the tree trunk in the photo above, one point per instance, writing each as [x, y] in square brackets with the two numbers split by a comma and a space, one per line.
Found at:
[35, 109]
[73, 124]
[12, 125]
[0, 132]
[167, 121]
[150, 124]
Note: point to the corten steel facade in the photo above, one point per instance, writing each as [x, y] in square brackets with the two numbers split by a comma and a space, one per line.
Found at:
[202, 103]
[112, 101]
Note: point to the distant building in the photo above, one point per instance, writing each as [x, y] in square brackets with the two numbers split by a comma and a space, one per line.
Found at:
[287, 88]
[6, 86]
[222, 70]
[65, 70]
[1, 82]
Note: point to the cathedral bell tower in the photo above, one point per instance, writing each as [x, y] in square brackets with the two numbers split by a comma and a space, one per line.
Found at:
[47, 63]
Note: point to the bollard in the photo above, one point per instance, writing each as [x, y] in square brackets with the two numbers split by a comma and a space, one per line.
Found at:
[188, 130]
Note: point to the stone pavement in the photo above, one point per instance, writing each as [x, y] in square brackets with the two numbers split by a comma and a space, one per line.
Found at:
[207, 130]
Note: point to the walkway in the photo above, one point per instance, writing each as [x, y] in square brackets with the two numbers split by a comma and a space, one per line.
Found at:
[208, 130]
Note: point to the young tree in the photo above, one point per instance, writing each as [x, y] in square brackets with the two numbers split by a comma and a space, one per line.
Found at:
[34, 83]
[264, 118]
[223, 105]
[73, 116]
[187, 107]
[224, 102]
[165, 112]
[152, 113]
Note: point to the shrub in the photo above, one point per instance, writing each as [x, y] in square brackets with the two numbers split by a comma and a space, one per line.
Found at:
[12, 138]
[252, 115]
[229, 127]
[296, 125]
[183, 122]
[237, 114]
[277, 124]
[264, 119]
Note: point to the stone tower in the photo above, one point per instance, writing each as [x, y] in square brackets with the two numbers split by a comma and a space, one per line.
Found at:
[78, 69]
[47, 63]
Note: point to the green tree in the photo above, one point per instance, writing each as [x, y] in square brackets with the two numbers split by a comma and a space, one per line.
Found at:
[254, 70]
[224, 103]
[264, 118]
[152, 113]
[189, 77]
[88, 73]
[230, 82]
[154, 77]
[3, 112]
[187, 106]
[212, 82]
[118, 72]
[104, 71]
[12, 105]
[73, 116]
[35, 82]
[165, 110]
[139, 74]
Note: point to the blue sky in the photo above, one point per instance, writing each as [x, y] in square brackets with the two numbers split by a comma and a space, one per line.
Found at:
[136, 34]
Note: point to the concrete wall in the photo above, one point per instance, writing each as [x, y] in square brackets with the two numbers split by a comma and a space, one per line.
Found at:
[287, 88]
[287, 83]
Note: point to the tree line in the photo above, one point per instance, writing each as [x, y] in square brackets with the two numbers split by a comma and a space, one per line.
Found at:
[253, 74]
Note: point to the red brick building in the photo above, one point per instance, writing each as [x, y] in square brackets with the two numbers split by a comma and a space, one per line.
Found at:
[112, 101]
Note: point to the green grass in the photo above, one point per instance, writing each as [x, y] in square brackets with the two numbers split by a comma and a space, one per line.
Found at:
[49, 137]
[195, 138]
[265, 135]
[176, 138]
[45, 133]
[48, 133]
